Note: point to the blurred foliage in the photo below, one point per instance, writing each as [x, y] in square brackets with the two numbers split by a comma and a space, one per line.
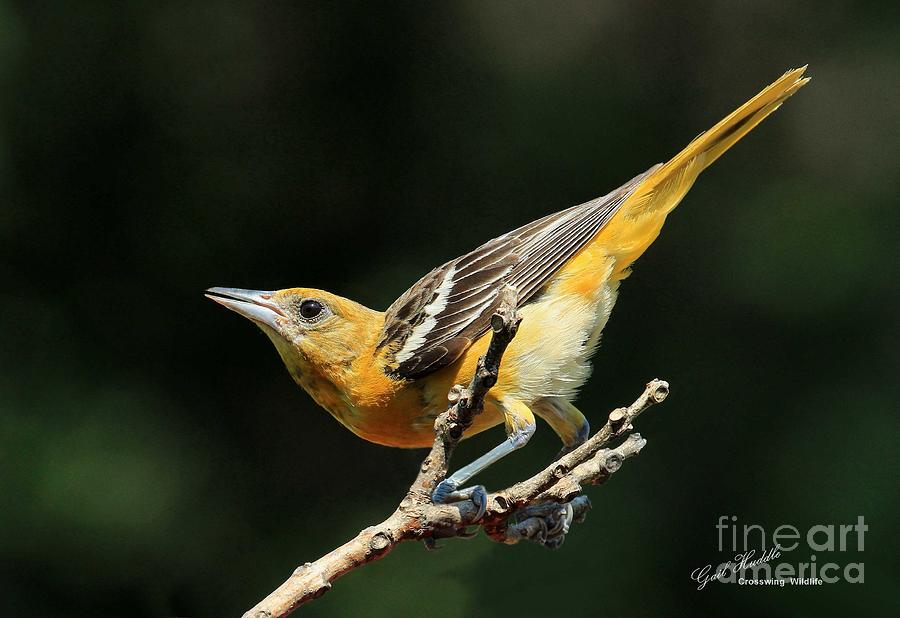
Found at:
[156, 458]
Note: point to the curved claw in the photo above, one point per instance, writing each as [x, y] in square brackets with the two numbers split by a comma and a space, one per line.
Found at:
[479, 499]
[563, 519]
[447, 492]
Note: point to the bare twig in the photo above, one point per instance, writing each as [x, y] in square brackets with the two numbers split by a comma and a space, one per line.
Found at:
[467, 402]
[539, 509]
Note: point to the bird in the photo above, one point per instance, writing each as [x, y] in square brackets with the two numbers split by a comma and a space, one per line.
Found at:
[386, 375]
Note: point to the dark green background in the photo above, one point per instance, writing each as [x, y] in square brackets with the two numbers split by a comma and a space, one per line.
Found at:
[155, 458]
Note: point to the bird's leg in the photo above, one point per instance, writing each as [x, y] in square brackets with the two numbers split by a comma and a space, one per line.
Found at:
[520, 426]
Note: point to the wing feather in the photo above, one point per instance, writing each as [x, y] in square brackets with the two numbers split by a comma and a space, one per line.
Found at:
[439, 317]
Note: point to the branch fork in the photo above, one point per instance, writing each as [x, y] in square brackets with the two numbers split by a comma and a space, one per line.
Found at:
[539, 509]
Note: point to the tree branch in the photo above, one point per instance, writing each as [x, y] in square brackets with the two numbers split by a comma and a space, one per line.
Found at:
[539, 509]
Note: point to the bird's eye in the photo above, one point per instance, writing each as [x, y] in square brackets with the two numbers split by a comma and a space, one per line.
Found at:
[310, 309]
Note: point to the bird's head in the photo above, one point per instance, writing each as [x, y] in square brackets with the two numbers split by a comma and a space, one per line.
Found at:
[313, 330]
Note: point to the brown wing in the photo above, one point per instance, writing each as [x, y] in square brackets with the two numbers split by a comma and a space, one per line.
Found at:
[440, 316]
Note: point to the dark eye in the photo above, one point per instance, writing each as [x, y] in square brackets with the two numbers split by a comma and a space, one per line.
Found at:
[310, 309]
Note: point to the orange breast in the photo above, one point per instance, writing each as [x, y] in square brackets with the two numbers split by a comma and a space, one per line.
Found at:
[402, 413]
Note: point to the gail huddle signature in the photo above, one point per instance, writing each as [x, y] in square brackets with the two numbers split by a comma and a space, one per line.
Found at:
[704, 575]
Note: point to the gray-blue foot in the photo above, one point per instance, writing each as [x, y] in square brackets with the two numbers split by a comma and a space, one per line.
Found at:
[557, 534]
[447, 492]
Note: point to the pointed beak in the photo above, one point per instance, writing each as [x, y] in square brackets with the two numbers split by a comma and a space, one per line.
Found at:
[255, 305]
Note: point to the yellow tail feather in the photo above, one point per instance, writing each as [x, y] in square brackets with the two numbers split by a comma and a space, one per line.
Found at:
[640, 218]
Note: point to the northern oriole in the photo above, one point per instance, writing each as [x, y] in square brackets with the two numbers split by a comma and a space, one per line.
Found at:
[385, 375]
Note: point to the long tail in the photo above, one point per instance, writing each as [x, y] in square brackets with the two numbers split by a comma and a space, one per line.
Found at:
[639, 220]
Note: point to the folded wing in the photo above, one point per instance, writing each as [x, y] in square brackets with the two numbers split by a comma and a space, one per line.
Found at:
[433, 322]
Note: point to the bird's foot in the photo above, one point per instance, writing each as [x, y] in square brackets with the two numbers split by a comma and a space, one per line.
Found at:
[545, 524]
[447, 492]
[561, 522]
